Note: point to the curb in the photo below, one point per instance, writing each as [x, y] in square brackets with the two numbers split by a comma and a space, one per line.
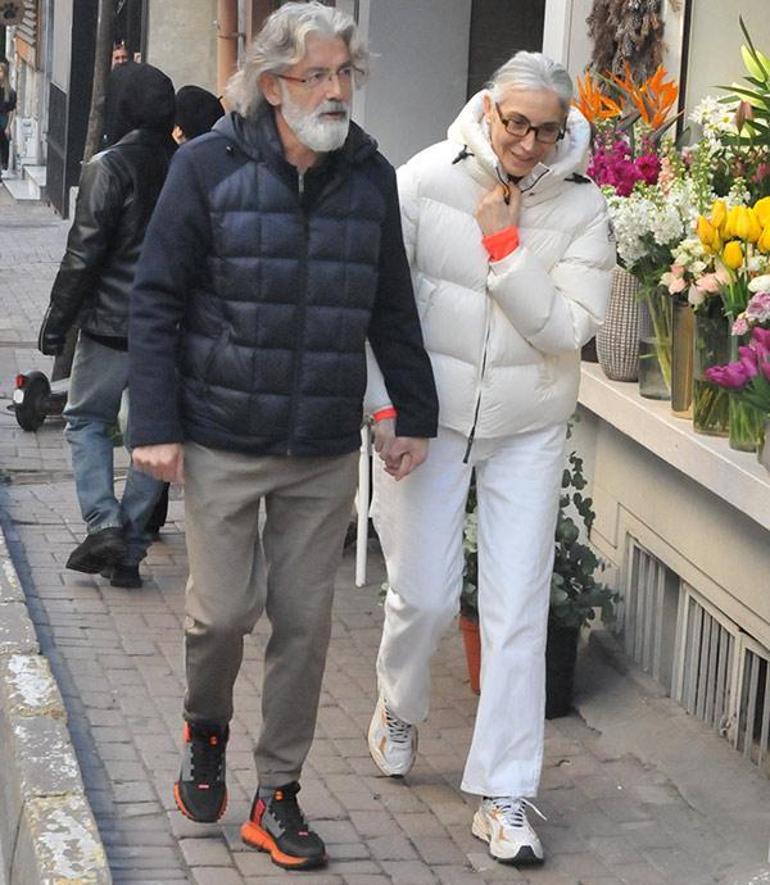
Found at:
[47, 829]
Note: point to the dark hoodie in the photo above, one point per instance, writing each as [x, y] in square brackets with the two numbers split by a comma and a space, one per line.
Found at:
[118, 191]
[139, 96]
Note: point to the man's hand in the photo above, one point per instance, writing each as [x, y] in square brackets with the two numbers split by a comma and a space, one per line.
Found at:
[164, 461]
[51, 339]
[499, 208]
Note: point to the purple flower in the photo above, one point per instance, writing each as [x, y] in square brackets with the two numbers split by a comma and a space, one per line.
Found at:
[748, 359]
[648, 166]
[732, 376]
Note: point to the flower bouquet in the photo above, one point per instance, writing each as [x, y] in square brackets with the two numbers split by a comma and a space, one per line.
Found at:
[748, 383]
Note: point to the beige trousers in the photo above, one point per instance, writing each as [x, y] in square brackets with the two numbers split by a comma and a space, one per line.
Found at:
[307, 506]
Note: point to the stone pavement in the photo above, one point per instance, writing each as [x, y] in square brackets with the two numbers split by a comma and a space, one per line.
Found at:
[648, 796]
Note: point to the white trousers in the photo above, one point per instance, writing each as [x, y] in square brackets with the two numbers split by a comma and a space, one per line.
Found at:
[420, 524]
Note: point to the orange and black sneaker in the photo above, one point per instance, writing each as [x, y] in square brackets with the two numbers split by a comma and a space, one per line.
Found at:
[277, 825]
[201, 792]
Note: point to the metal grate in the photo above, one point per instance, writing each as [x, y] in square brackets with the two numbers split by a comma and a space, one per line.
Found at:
[706, 662]
[648, 613]
[752, 731]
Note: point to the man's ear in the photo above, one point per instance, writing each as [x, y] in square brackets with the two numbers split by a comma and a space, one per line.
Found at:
[270, 88]
[178, 136]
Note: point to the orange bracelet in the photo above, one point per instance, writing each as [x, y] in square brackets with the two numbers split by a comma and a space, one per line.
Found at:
[384, 414]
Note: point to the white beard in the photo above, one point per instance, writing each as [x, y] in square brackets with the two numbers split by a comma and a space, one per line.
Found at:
[315, 133]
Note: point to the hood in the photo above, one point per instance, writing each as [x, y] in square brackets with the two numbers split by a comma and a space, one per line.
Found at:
[139, 96]
[259, 137]
[469, 131]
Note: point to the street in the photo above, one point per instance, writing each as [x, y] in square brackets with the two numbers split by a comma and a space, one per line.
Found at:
[616, 813]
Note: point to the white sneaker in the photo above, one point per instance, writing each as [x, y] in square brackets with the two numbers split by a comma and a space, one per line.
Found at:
[392, 742]
[502, 823]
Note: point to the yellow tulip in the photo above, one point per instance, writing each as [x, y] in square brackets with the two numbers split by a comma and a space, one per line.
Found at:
[755, 227]
[762, 210]
[718, 213]
[763, 243]
[705, 231]
[742, 224]
[733, 255]
[716, 243]
[730, 222]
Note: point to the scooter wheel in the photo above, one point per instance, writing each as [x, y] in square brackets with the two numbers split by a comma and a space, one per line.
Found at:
[31, 411]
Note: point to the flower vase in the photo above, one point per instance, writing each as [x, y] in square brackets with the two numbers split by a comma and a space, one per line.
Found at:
[711, 347]
[682, 334]
[747, 424]
[763, 452]
[617, 341]
[655, 347]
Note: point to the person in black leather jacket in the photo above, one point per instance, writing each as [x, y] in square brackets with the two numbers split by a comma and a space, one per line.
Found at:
[118, 191]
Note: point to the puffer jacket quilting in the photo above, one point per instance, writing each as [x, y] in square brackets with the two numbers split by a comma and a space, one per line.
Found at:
[504, 337]
[281, 298]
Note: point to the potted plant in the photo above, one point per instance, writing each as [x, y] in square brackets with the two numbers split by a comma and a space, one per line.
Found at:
[575, 591]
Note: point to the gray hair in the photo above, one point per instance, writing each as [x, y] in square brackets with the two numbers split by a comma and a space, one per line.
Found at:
[532, 70]
[282, 43]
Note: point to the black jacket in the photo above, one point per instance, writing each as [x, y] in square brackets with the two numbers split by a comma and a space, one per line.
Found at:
[117, 193]
[254, 296]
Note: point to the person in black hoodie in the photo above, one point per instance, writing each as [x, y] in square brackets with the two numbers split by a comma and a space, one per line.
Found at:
[274, 252]
[118, 191]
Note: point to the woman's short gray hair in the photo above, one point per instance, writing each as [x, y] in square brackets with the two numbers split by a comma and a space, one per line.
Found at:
[282, 43]
[532, 70]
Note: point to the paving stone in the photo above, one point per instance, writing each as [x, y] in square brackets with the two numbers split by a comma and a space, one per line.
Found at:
[205, 852]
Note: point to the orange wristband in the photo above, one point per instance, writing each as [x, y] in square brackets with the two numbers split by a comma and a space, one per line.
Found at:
[502, 243]
[384, 414]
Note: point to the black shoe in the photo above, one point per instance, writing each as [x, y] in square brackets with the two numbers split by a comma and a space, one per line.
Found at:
[100, 549]
[126, 576]
[277, 825]
[201, 792]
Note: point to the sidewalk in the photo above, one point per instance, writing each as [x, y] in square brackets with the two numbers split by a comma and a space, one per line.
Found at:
[635, 791]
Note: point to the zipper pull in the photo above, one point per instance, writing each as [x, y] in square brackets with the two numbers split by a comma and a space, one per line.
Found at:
[301, 183]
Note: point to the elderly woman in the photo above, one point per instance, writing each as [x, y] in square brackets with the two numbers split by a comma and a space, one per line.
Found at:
[511, 252]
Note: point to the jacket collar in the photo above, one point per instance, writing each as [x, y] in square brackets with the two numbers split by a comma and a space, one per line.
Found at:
[469, 131]
[147, 136]
[259, 139]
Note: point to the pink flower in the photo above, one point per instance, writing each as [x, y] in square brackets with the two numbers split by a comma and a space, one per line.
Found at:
[748, 359]
[740, 326]
[732, 376]
[709, 282]
[648, 166]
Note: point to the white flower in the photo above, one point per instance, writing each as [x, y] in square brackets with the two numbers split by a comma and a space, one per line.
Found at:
[760, 284]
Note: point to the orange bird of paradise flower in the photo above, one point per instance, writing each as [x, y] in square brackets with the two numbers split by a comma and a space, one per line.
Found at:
[653, 99]
[593, 103]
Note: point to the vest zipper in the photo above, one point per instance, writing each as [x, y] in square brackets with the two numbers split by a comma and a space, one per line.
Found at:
[301, 317]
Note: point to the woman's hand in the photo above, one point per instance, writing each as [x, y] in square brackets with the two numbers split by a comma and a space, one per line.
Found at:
[494, 213]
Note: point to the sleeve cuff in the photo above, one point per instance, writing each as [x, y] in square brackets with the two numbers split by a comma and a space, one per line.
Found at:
[501, 243]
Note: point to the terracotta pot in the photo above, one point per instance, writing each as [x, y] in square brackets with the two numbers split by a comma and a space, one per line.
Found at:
[472, 642]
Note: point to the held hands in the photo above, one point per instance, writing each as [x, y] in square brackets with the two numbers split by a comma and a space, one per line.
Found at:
[494, 213]
[401, 454]
[164, 461]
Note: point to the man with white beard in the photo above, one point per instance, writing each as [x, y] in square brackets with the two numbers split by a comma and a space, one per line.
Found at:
[274, 252]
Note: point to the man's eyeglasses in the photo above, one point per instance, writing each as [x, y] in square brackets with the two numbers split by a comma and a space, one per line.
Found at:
[520, 127]
[314, 79]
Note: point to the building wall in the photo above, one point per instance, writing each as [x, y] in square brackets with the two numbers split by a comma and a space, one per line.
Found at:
[715, 41]
[420, 74]
[182, 41]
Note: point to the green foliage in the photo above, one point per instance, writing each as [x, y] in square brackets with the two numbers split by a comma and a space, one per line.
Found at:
[575, 592]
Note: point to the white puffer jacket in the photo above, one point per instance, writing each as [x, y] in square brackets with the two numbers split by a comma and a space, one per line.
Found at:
[504, 337]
